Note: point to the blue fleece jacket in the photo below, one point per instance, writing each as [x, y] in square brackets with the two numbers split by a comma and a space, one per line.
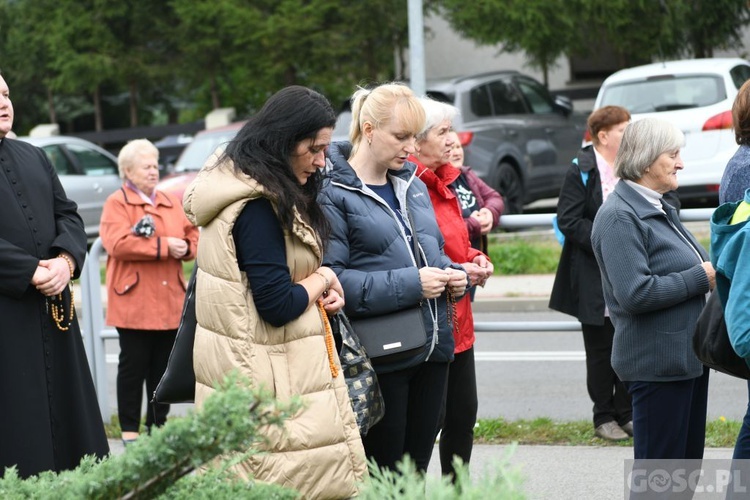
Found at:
[730, 247]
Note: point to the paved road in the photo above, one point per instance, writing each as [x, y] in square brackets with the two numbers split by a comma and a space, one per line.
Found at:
[534, 374]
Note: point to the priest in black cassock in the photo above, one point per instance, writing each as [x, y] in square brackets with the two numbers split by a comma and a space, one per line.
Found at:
[49, 416]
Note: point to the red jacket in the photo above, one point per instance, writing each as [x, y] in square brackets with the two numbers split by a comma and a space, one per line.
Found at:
[145, 286]
[457, 246]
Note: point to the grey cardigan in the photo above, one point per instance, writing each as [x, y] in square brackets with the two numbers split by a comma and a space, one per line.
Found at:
[654, 286]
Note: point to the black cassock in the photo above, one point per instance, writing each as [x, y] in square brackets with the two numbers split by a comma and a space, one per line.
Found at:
[49, 414]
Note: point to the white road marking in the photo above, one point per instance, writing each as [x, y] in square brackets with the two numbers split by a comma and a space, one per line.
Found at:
[530, 356]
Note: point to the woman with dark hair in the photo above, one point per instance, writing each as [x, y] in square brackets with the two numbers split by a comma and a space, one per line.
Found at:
[262, 296]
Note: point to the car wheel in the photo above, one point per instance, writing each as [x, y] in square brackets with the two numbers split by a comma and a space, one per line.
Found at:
[509, 186]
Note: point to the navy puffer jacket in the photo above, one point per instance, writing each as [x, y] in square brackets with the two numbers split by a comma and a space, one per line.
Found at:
[370, 253]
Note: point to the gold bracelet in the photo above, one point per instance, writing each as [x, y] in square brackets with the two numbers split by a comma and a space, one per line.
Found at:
[327, 283]
[70, 263]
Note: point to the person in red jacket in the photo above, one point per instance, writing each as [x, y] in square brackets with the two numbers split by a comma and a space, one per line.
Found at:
[459, 412]
[147, 236]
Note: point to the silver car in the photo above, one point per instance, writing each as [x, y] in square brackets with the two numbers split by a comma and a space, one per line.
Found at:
[87, 172]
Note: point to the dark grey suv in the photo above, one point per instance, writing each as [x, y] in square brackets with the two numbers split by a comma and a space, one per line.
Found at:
[517, 137]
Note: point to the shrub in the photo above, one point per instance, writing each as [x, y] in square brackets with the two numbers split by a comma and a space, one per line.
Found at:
[520, 256]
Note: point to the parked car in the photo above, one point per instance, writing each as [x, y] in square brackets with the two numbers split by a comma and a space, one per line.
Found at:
[697, 96]
[193, 157]
[517, 137]
[88, 173]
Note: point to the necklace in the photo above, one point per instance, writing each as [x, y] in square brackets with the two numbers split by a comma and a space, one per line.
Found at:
[57, 308]
[329, 340]
[452, 315]
[57, 305]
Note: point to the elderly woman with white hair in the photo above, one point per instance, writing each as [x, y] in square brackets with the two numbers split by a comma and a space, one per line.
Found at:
[432, 157]
[147, 237]
[655, 277]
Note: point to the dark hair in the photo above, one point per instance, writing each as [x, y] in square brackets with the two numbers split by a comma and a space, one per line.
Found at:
[741, 114]
[264, 146]
[604, 119]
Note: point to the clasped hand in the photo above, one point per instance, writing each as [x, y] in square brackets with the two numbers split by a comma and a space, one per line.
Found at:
[485, 218]
[435, 281]
[479, 270]
[51, 276]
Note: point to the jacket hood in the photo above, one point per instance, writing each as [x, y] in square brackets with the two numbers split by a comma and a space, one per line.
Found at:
[216, 187]
[722, 230]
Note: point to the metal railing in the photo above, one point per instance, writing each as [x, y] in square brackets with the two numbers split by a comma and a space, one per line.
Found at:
[95, 333]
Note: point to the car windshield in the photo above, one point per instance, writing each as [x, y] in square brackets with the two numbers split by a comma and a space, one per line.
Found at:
[195, 154]
[666, 93]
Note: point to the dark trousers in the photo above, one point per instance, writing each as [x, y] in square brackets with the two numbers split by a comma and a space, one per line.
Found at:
[609, 395]
[459, 412]
[669, 418]
[143, 358]
[742, 446]
[413, 398]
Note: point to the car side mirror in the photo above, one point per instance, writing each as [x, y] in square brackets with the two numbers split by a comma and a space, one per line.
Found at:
[563, 104]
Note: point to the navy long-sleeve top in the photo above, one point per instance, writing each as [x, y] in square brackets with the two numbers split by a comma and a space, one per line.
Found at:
[261, 254]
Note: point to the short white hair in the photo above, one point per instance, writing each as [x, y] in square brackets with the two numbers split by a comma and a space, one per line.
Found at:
[435, 113]
[642, 143]
[131, 151]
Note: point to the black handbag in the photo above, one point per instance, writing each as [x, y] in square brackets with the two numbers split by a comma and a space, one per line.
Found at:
[177, 385]
[397, 335]
[361, 380]
[393, 336]
[711, 341]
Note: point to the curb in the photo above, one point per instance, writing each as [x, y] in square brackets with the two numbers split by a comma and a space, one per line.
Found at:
[510, 304]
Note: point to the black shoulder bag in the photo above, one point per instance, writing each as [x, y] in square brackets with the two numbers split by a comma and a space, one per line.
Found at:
[397, 335]
[177, 385]
[711, 341]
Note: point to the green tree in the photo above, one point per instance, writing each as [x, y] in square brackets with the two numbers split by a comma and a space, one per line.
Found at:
[27, 55]
[141, 46]
[637, 30]
[217, 41]
[543, 29]
[714, 24]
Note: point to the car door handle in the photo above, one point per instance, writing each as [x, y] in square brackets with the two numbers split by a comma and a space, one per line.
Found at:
[97, 187]
[512, 133]
[549, 130]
